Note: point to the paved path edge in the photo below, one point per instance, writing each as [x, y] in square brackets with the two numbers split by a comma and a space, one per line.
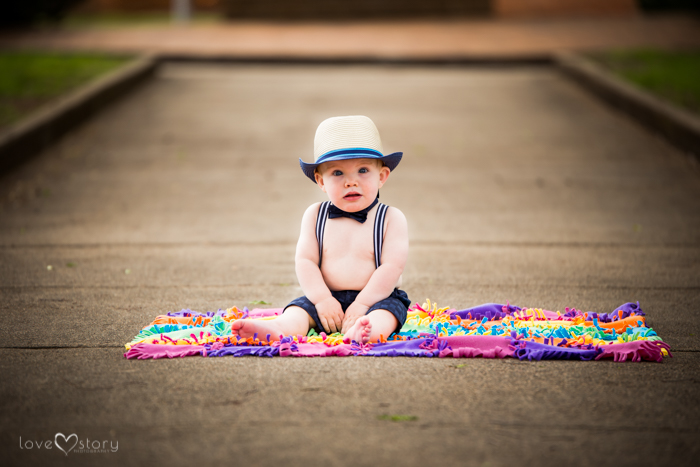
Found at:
[42, 128]
[399, 60]
[678, 126]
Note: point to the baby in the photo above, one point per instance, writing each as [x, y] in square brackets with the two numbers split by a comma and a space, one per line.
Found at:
[352, 249]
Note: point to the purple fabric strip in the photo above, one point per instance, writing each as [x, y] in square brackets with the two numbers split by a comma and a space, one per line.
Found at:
[489, 310]
[495, 311]
[242, 351]
[527, 350]
[425, 347]
[627, 310]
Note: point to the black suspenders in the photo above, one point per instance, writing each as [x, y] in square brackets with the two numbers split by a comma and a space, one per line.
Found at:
[379, 233]
[321, 227]
[378, 230]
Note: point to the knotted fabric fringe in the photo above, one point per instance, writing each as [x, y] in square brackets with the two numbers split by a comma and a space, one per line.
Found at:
[487, 331]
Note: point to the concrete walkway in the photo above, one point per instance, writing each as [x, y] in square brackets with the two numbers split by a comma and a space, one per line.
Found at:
[398, 39]
[517, 185]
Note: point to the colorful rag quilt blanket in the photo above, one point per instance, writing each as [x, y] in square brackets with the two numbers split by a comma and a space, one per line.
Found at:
[489, 331]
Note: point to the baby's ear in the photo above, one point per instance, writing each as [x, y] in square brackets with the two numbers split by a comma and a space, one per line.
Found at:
[319, 181]
[383, 175]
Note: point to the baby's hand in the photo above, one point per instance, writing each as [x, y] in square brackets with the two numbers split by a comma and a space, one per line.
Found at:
[330, 313]
[354, 312]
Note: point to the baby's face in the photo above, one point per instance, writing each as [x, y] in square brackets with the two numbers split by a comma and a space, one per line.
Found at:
[352, 184]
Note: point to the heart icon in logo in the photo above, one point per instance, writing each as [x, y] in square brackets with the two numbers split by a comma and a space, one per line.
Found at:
[65, 440]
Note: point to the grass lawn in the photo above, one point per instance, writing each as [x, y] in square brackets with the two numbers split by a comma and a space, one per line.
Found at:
[672, 75]
[130, 20]
[30, 79]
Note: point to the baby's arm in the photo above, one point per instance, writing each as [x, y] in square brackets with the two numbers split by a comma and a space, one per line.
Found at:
[330, 312]
[385, 277]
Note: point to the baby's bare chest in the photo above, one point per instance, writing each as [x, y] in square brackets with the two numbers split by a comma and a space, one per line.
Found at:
[347, 238]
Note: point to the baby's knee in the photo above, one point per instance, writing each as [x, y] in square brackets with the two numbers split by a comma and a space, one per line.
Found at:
[299, 313]
[383, 315]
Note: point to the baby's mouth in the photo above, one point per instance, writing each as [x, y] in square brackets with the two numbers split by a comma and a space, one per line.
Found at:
[352, 196]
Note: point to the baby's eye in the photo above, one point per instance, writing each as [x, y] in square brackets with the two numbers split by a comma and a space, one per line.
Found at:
[364, 170]
[337, 173]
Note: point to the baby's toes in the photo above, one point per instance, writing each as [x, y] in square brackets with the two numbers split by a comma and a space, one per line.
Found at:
[237, 325]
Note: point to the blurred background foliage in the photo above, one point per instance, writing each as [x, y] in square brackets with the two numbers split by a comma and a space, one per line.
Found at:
[673, 75]
[30, 79]
[25, 12]
[21, 13]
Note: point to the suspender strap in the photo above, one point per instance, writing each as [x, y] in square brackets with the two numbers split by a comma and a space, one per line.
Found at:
[379, 233]
[320, 227]
[378, 230]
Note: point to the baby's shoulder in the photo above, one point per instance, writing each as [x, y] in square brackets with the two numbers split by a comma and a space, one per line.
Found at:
[395, 225]
[395, 215]
[313, 208]
[310, 215]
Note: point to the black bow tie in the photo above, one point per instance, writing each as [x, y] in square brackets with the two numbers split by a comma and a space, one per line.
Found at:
[359, 216]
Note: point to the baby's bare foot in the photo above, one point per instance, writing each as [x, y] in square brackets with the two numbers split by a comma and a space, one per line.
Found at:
[359, 332]
[246, 328]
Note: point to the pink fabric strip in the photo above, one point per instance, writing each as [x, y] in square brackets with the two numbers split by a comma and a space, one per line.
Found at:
[476, 346]
[146, 351]
[314, 350]
[264, 312]
[635, 351]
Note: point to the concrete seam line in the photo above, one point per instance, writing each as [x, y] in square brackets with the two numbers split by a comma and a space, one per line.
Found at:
[678, 126]
[51, 122]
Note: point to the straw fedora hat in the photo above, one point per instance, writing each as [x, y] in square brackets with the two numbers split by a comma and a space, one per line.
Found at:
[352, 137]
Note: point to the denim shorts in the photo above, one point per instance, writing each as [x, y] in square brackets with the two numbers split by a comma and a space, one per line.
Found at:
[397, 304]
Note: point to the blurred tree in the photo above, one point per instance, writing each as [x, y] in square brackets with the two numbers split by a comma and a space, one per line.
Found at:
[25, 12]
[656, 5]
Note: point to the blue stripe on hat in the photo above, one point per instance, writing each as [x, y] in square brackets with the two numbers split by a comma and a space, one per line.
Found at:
[363, 152]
